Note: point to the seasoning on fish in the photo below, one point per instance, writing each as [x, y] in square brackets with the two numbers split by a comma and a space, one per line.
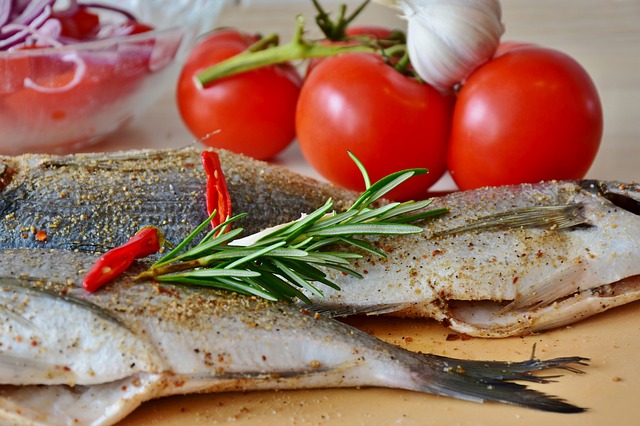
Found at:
[506, 261]
[278, 262]
[132, 343]
[98, 201]
[476, 269]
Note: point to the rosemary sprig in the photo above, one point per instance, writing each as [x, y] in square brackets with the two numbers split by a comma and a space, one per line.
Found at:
[283, 262]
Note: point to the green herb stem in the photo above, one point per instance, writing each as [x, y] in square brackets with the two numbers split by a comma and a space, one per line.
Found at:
[297, 48]
[283, 263]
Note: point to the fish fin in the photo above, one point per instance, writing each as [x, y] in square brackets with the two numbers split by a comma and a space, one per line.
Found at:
[558, 217]
[337, 311]
[59, 404]
[13, 316]
[10, 365]
[545, 292]
[33, 285]
[482, 381]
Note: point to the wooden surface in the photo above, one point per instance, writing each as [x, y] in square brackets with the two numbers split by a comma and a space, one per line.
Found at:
[604, 35]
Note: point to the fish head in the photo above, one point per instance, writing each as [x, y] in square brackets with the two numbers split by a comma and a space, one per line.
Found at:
[602, 271]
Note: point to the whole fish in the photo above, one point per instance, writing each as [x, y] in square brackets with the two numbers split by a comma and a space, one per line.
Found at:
[504, 261]
[68, 357]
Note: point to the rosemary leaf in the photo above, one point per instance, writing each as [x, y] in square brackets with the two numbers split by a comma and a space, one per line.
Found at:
[384, 185]
[301, 225]
[221, 283]
[400, 210]
[322, 242]
[419, 216]
[297, 279]
[334, 219]
[362, 168]
[332, 259]
[213, 273]
[369, 214]
[209, 244]
[369, 229]
[256, 254]
[363, 245]
[178, 248]
[280, 288]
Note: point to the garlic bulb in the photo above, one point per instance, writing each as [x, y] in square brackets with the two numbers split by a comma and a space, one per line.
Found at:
[448, 39]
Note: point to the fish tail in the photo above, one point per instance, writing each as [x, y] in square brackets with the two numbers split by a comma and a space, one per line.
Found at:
[482, 381]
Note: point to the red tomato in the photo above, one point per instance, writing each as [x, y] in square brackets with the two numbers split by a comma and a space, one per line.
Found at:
[389, 121]
[530, 114]
[251, 113]
[372, 32]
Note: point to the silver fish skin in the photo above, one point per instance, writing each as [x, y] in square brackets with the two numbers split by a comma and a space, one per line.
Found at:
[72, 358]
[506, 261]
[93, 202]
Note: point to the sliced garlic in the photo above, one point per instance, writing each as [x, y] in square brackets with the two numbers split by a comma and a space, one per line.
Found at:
[448, 39]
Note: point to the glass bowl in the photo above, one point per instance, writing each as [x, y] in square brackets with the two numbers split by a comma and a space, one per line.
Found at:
[56, 100]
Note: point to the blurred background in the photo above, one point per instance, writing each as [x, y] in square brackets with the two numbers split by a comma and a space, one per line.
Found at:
[603, 35]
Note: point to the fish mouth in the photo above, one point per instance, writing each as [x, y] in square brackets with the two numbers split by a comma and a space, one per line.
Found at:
[488, 318]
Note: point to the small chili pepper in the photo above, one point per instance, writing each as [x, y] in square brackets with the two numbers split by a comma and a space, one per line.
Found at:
[217, 195]
[114, 262]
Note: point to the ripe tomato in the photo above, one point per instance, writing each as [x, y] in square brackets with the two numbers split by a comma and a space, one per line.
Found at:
[530, 114]
[374, 31]
[389, 121]
[355, 35]
[251, 113]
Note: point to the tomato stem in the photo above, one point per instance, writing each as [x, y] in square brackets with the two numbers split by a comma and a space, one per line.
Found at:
[403, 63]
[297, 48]
[264, 43]
[336, 30]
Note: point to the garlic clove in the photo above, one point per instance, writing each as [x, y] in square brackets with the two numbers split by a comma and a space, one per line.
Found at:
[448, 39]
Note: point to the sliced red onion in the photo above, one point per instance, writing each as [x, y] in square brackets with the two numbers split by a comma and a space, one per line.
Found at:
[79, 73]
[6, 6]
[46, 36]
[71, 10]
[22, 19]
[34, 10]
[33, 16]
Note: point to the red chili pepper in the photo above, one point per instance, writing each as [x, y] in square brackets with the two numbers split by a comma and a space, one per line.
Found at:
[114, 262]
[217, 195]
